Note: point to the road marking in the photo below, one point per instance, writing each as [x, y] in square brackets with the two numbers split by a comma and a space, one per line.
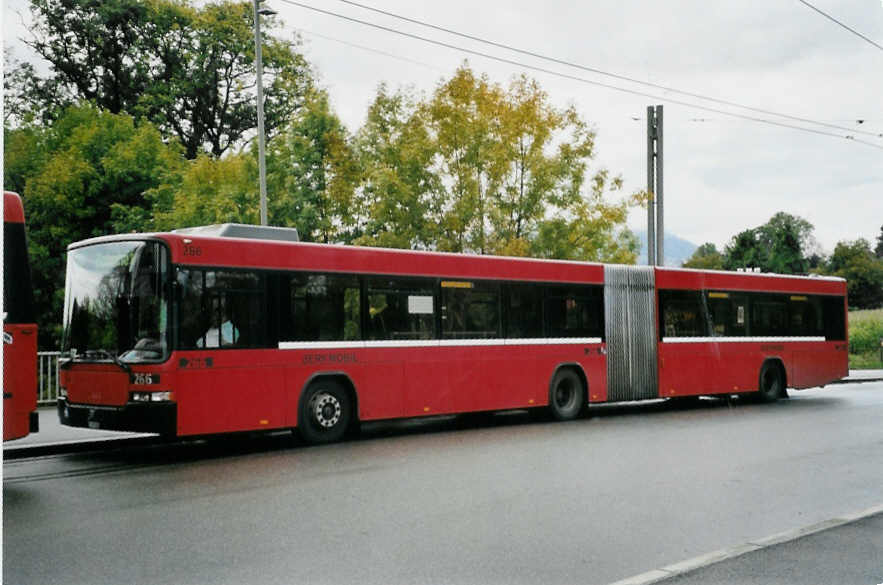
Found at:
[689, 565]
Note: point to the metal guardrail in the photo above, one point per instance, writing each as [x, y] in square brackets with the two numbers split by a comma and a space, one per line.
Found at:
[47, 376]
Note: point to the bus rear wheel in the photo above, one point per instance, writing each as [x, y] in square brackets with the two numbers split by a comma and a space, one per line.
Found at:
[566, 395]
[771, 383]
[325, 412]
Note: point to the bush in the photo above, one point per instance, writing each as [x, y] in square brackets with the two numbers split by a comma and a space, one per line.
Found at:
[865, 331]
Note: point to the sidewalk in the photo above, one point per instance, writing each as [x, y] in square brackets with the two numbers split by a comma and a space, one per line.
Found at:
[847, 554]
[53, 433]
[863, 376]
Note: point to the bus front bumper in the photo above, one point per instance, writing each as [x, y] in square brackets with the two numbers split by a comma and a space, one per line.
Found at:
[133, 417]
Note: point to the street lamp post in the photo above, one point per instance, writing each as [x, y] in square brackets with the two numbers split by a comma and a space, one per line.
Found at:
[262, 166]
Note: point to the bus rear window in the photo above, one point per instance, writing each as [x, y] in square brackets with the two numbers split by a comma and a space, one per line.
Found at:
[833, 312]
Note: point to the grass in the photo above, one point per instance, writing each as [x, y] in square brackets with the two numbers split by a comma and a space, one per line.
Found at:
[865, 332]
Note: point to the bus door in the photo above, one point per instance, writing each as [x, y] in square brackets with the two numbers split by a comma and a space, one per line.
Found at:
[226, 381]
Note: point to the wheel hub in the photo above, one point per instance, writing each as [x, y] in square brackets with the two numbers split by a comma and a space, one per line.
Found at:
[563, 395]
[326, 409]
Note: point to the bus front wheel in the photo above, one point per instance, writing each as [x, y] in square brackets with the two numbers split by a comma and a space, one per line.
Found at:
[325, 412]
[566, 395]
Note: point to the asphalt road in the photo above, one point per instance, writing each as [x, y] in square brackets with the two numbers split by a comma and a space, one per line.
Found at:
[505, 500]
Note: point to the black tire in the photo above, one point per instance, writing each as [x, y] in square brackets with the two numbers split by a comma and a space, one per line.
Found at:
[771, 383]
[325, 412]
[567, 395]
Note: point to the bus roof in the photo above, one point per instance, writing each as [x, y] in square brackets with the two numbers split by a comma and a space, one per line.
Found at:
[193, 248]
[688, 278]
[229, 252]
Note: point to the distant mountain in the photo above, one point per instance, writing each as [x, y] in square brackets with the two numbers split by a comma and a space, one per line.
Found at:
[677, 250]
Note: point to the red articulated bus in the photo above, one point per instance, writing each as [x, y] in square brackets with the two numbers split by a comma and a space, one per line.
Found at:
[19, 327]
[231, 328]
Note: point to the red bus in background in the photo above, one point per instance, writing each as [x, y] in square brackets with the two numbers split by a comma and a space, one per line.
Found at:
[19, 327]
[196, 332]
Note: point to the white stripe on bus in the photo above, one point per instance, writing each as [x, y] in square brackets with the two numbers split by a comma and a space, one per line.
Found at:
[739, 339]
[386, 343]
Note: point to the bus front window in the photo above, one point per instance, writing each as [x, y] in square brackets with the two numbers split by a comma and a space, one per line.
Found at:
[116, 302]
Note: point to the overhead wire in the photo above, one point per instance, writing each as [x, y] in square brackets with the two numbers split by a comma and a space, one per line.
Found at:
[600, 71]
[837, 22]
[581, 79]
[369, 49]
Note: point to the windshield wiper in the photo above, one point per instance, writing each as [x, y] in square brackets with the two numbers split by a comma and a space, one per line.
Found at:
[111, 356]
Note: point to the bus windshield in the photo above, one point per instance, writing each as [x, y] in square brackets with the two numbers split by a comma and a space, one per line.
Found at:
[116, 302]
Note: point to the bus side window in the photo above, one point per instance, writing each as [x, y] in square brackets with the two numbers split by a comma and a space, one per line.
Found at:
[682, 314]
[769, 316]
[325, 307]
[574, 311]
[221, 309]
[727, 313]
[400, 308]
[805, 316]
[470, 310]
[191, 324]
[525, 311]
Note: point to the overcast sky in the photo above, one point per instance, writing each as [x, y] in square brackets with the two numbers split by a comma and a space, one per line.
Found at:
[722, 174]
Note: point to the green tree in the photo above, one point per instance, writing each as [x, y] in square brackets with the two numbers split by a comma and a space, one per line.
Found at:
[508, 173]
[207, 191]
[745, 250]
[187, 69]
[592, 234]
[396, 199]
[461, 119]
[784, 245]
[706, 257]
[790, 241]
[26, 98]
[863, 271]
[85, 175]
[879, 249]
[311, 178]
[24, 154]
[540, 182]
[312, 173]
